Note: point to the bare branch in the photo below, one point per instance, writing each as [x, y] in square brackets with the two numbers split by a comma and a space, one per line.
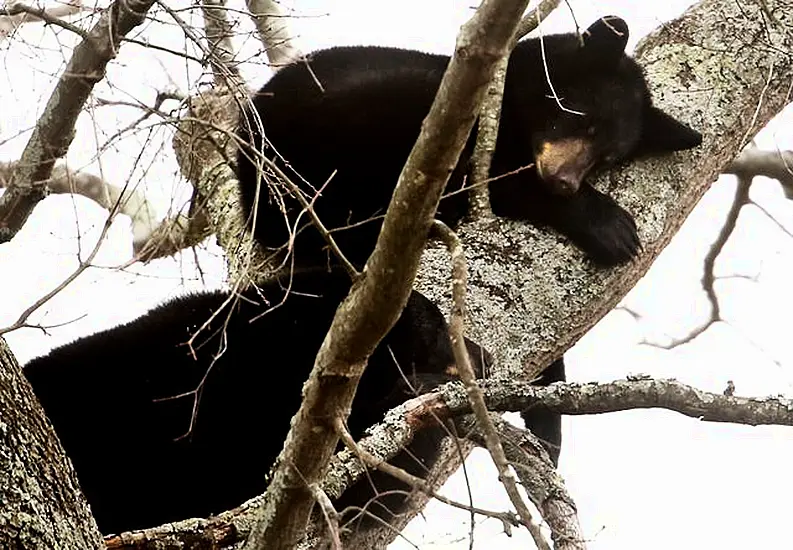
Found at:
[271, 24]
[330, 514]
[54, 130]
[468, 377]
[534, 468]
[621, 395]
[489, 116]
[84, 264]
[388, 275]
[740, 199]
[219, 32]
[18, 14]
[750, 163]
[753, 162]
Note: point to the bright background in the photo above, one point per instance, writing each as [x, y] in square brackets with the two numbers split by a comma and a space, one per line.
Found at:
[644, 479]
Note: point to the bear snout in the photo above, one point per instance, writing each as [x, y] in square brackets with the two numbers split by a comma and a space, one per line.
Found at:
[563, 164]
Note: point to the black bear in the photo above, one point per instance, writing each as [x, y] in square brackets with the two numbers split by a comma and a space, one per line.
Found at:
[342, 125]
[148, 448]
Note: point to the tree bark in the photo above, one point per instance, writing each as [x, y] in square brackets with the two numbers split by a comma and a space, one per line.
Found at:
[41, 505]
[722, 67]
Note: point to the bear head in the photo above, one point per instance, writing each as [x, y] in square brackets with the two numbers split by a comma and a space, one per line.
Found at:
[594, 107]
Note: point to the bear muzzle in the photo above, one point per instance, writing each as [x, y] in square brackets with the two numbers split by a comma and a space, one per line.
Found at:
[563, 164]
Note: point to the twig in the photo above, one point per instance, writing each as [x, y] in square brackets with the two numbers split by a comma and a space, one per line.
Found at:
[466, 373]
[329, 513]
[490, 114]
[538, 476]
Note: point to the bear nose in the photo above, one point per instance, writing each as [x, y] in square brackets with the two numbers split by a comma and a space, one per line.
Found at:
[562, 164]
[564, 184]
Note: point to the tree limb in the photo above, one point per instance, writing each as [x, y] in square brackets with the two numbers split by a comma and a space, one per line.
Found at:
[42, 505]
[490, 114]
[54, 130]
[537, 474]
[388, 275]
[271, 25]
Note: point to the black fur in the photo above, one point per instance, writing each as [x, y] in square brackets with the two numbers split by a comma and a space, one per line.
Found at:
[117, 398]
[364, 120]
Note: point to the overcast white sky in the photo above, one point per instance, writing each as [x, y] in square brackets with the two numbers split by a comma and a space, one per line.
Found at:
[649, 479]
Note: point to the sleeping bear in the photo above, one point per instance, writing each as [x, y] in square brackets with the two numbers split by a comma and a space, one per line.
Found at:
[341, 126]
[160, 430]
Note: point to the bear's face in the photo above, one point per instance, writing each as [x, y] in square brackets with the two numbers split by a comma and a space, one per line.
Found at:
[596, 111]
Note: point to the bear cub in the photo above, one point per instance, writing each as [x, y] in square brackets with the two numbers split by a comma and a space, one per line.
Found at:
[159, 431]
[342, 125]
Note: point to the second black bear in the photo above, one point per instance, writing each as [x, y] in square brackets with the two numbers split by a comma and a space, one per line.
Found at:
[148, 451]
[342, 125]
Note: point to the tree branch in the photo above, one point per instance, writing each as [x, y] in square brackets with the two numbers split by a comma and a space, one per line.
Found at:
[388, 275]
[490, 436]
[537, 474]
[271, 25]
[490, 114]
[54, 130]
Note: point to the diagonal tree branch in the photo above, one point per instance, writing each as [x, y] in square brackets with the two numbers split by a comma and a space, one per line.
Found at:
[388, 275]
[532, 297]
[54, 130]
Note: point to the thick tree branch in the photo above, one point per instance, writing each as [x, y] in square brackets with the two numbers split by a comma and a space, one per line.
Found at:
[42, 505]
[531, 295]
[388, 275]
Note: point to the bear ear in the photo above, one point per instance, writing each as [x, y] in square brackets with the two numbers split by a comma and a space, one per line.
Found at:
[606, 38]
[662, 134]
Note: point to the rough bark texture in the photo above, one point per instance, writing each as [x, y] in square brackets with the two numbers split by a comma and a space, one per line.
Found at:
[723, 68]
[41, 505]
[203, 145]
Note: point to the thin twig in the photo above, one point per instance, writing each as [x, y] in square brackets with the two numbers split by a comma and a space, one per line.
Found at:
[468, 376]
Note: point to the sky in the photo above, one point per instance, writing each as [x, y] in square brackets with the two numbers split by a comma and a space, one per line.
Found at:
[641, 479]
